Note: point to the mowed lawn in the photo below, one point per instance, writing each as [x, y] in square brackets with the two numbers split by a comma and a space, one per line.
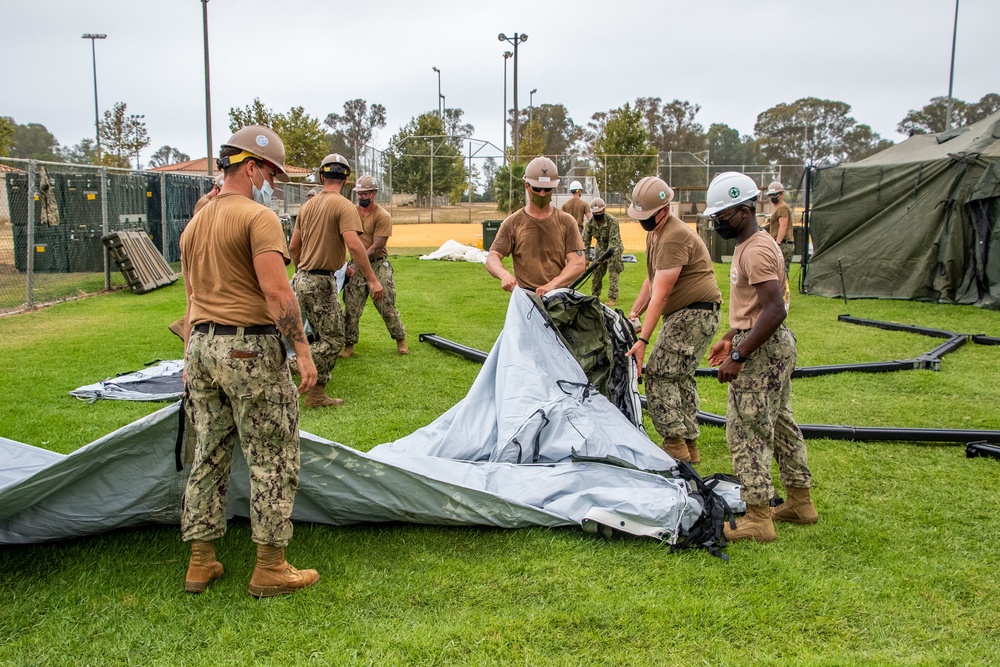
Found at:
[900, 570]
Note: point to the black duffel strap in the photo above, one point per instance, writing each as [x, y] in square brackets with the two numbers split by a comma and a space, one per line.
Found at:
[229, 330]
[179, 445]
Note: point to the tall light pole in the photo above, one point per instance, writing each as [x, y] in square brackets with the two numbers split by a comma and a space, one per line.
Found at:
[951, 75]
[506, 57]
[440, 116]
[208, 88]
[97, 119]
[531, 106]
[515, 40]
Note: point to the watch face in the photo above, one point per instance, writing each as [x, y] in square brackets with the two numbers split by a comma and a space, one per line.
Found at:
[736, 356]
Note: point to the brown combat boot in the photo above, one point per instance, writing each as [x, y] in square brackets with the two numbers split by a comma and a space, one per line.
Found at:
[401, 347]
[693, 452]
[798, 508]
[677, 449]
[756, 525]
[348, 351]
[317, 398]
[275, 576]
[203, 568]
[611, 303]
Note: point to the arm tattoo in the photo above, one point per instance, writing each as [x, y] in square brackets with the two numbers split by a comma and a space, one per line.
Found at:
[290, 323]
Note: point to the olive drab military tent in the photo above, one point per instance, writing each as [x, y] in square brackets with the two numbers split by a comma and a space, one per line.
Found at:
[919, 220]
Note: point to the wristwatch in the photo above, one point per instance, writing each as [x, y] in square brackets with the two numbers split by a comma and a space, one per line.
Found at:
[737, 357]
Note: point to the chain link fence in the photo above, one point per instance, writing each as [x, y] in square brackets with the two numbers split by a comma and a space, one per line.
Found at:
[53, 215]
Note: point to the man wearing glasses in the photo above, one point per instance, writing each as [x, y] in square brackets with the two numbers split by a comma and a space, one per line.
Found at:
[239, 390]
[543, 242]
[756, 357]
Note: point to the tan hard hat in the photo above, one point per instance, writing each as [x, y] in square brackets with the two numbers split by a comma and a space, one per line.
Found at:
[542, 173]
[596, 205]
[366, 183]
[335, 165]
[312, 192]
[263, 143]
[775, 187]
[649, 196]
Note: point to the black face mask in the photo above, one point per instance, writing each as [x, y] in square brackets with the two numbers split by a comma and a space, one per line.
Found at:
[363, 203]
[599, 217]
[649, 224]
[723, 229]
[774, 199]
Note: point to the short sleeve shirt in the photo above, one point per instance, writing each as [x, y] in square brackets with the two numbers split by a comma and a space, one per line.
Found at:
[537, 247]
[201, 203]
[218, 247]
[376, 223]
[756, 260]
[320, 222]
[782, 210]
[678, 246]
[576, 208]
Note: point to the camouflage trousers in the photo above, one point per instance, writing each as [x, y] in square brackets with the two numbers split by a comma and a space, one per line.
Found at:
[671, 391]
[759, 420]
[613, 267]
[241, 393]
[320, 305]
[356, 296]
[788, 251]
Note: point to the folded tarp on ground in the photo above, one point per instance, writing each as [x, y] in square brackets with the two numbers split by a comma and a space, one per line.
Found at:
[162, 382]
[454, 251]
[505, 456]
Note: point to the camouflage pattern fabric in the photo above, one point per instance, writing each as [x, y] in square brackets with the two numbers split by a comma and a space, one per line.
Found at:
[759, 420]
[356, 296]
[787, 251]
[671, 390]
[321, 306]
[607, 234]
[240, 392]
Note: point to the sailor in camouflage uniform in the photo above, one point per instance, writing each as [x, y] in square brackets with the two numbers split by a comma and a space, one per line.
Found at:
[756, 357]
[603, 227]
[377, 228]
[680, 286]
[239, 389]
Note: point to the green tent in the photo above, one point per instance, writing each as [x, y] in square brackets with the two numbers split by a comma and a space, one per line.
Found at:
[919, 220]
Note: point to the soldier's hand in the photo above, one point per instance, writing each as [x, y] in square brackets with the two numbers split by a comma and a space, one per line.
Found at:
[720, 352]
[729, 370]
[636, 325]
[350, 270]
[638, 352]
[508, 282]
[376, 290]
[307, 373]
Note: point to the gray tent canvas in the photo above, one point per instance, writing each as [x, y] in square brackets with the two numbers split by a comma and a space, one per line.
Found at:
[919, 220]
[507, 455]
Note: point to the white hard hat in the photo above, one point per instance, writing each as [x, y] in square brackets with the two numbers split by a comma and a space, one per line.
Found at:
[729, 189]
[575, 185]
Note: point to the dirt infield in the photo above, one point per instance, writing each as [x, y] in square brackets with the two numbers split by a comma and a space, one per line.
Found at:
[432, 235]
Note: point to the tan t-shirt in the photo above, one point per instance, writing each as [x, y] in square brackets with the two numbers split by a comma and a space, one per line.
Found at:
[217, 251]
[201, 203]
[376, 223]
[538, 247]
[756, 260]
[782, 210]
[320, 222]
[576, 208]
[677, 246]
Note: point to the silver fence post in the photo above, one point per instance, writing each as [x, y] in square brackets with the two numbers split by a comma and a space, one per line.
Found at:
[29, 246]
[164, 242]
[104, 226]
[470, 181]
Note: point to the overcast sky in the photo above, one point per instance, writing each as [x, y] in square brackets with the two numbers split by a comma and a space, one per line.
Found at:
[734, 58]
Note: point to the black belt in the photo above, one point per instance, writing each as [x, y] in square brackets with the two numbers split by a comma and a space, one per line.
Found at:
[319, 272]
[787, 241]
[229, 330]
[703, 305]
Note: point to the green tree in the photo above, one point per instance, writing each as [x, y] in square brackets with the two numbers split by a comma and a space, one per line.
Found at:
[409, 158]
[305, 140]
[84, 152]
[252, 114]
[532, 142]
[455, 128]
[508, 187]
[726, 146]
[671, 126]
[165, 155]
[33, 141]
[7, 125]
[622, 152]
[123, 136]
[813, 131]
[556, 131]
[931, 118]
[356, 126]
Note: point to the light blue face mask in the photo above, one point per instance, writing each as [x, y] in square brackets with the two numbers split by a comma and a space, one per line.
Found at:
[262, 195]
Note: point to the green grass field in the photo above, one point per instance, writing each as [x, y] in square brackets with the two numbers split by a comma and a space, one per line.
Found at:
[901, 570]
